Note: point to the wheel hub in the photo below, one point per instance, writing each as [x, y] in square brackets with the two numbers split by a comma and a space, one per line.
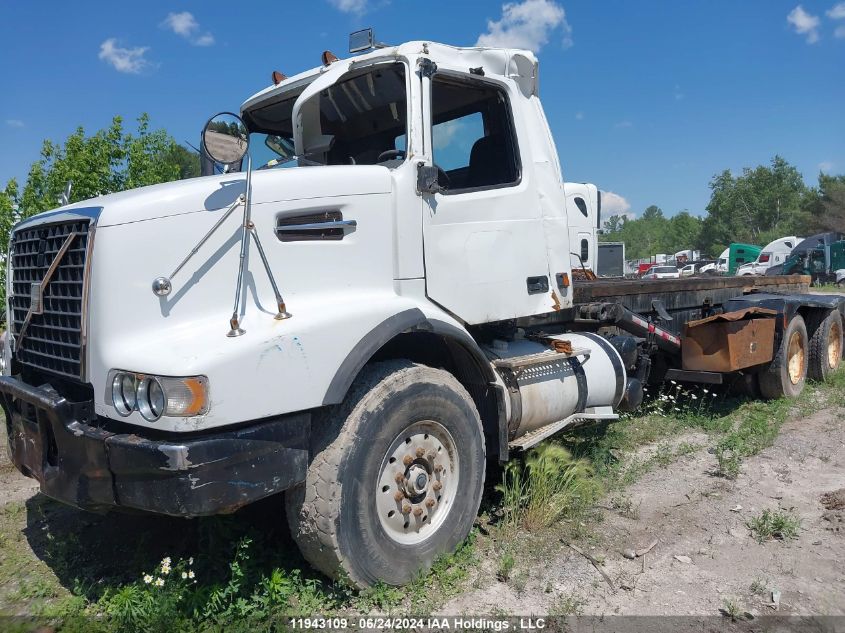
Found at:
[795, 358]
[834, 346]
[417, 482]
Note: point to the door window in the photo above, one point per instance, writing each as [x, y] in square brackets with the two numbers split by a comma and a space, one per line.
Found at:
[472, 135]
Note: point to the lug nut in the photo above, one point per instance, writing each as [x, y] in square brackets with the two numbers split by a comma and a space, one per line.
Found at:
[437, 485]
[438, 468]
[432, 456]
[429, 503]
[397, 496]
[408, 460]
[420, 451]
[418, 512]
[406, 509]
[399, 478]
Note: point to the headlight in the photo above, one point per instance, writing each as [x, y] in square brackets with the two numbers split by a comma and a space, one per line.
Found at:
[123, 393]
[155, 396]
[151, 399]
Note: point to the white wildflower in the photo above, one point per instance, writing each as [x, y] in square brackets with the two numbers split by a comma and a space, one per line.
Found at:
[694, 397]
[165, 562]
[184, 575]
[673, 382]
[159, 582]
[191, 574]
[147, 579]
[191, 560]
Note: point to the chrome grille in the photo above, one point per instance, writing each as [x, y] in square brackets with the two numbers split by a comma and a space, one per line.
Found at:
[53, 338]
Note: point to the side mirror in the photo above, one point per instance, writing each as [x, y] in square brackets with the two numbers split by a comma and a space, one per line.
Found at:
[225, 138]
[427, 179]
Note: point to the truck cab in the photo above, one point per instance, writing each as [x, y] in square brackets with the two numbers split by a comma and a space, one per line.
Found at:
[382, 225]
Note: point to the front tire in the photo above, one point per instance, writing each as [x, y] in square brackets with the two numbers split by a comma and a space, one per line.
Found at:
[826, 347]
[787, 373]
[396, 476]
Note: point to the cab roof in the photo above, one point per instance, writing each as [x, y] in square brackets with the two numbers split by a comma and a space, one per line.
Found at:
[517, 64]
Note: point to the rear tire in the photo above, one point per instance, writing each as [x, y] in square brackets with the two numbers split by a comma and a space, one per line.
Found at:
[826, 347]
[787, 373]
[352, 516]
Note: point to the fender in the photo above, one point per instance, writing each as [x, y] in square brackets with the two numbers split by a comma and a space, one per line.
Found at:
[406, 321]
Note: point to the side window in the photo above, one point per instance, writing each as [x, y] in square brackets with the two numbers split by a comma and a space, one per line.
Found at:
[472, 135]
[585, 250]
[582, 206]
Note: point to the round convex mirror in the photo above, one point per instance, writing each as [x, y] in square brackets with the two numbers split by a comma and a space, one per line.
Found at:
[225, 138]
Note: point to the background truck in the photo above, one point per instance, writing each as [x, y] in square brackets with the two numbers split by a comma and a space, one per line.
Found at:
[583, 209]
[772, 254]
[821, 256]
[378, 303]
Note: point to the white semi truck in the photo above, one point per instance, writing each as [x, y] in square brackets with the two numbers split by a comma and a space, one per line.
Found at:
[381, 301]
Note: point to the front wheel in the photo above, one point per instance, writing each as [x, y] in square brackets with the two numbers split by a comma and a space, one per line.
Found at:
[787, 372]
[826, 347]
[396, 478]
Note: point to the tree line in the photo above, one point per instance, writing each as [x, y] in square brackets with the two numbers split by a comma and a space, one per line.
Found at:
[759, 205]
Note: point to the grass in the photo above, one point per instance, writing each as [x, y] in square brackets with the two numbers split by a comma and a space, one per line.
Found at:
[771, 525]
[86, 572]
[547, 485]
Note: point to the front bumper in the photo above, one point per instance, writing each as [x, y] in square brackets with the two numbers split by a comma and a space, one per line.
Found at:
[52, 440]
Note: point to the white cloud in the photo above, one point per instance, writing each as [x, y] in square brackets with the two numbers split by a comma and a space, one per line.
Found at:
[17, 123]
[350, 6]
[125, 60]
[826, 166]
[185, 25]
[804, 23]
[623, 124]
[206, 39]
[527, 24]
[837, 12]
[840, 32]
[614, 204]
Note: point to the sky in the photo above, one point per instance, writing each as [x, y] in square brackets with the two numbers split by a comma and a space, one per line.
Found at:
[648, 100]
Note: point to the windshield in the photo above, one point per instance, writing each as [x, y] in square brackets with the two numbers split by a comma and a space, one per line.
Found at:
[362, 121]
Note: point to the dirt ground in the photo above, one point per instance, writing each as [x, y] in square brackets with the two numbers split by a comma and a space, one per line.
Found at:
[701, 518]
[13, 485]
[694, 515]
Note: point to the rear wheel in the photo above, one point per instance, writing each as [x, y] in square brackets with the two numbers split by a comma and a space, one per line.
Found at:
[826, 347]
[396, 479]
[787, 372]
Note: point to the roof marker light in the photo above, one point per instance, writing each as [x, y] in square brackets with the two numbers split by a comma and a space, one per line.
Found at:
[278, 77]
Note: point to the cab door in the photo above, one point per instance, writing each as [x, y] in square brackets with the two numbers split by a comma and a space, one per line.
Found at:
[484, 247]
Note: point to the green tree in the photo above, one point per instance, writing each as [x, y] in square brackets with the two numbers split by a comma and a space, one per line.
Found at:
[756, 207]
[826, 205]
[107, 161]
[653, 232]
